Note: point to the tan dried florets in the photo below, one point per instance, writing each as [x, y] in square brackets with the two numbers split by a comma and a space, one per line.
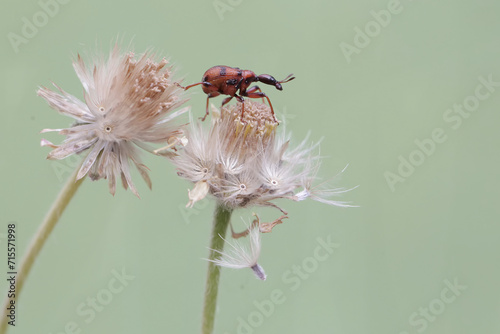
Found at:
[243, 162]
[129, 102]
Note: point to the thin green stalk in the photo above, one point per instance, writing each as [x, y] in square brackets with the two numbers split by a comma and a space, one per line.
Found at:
[222, 216]
[38, 241]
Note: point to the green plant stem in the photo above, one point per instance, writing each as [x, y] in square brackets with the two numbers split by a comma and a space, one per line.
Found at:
[38, 241]
[222, 216]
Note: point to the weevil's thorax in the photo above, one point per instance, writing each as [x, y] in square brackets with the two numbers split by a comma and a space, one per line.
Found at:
[248, 77]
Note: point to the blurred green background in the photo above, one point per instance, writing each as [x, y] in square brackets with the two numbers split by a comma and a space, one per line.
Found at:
[374, 78]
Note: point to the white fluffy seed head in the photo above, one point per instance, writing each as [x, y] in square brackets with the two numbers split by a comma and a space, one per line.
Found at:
[245, 162]
[238, 255]
[129, 102]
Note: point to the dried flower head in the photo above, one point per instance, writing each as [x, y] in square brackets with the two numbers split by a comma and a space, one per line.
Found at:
[129, 102]
[240, 256]
[243, 162]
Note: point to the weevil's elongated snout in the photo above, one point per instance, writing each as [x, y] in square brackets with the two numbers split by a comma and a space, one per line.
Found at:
[270, 80]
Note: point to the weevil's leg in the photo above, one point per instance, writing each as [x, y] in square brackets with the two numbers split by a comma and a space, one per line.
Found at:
[209, 96]
[262, 95]
[255, 89]
[242, 101]
[187, 87]
[226, 100]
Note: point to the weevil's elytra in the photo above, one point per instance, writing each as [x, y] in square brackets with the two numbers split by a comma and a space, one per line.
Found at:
[227, 80]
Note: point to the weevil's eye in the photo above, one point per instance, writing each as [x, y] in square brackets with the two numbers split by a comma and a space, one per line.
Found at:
[243, 186]
[108, 128]
[204, 170]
